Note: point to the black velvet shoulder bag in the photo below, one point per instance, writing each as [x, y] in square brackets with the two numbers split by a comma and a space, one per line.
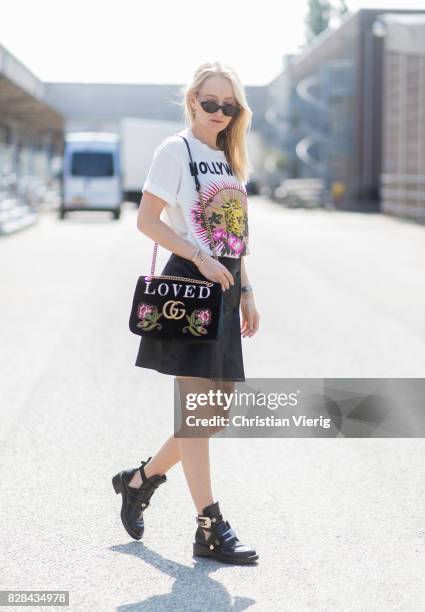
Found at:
[175, 307]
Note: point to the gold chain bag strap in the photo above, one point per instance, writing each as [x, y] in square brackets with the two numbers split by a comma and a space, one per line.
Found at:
[188, 309]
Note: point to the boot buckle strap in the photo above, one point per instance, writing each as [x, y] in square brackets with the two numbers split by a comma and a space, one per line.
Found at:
[206, 521]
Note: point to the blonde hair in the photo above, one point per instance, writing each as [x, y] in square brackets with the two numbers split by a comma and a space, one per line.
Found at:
[232, 140]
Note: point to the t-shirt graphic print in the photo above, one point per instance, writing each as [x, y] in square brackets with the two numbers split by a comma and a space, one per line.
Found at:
[226, 203]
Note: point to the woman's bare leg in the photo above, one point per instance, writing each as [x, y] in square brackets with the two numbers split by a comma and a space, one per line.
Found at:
[167, 456]
[193, 452]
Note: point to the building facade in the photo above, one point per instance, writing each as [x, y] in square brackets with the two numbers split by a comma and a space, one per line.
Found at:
[327, 107]
[31, 139]
[403, 170]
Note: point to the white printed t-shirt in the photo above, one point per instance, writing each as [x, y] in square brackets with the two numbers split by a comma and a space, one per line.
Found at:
[224, 195]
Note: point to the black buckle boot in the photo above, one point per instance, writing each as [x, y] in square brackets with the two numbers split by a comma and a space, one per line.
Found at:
[136, 500]
[222, 543]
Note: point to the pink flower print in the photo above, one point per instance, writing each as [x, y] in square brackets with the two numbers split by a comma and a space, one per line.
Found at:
[240, 248]
[204, 315]
[144, 310]
[236, 244]
[197, 320]
[219, 233]
[148, 315]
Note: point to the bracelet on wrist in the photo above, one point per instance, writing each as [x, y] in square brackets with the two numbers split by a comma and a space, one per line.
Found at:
[247, 289]
[199, 257]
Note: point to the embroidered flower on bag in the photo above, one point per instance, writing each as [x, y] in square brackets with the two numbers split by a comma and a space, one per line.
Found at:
[197, 320]
[144, 309]
[148, 315]
[204, 315]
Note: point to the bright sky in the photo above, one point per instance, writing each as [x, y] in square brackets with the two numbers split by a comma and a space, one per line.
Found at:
[161, 41]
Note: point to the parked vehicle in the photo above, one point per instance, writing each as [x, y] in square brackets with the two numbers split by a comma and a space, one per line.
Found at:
[300, 193]
[139, 139]
[252, 187]
[91, 176]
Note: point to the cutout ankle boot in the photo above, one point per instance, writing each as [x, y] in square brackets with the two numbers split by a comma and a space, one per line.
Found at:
[222, 543]
[136, 500]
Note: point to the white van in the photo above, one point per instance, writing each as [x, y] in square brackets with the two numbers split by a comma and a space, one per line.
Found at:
[91, 173]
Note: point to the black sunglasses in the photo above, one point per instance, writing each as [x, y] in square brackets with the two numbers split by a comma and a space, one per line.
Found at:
[210, 106]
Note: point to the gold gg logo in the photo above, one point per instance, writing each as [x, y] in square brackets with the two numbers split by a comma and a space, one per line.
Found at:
[170, 311]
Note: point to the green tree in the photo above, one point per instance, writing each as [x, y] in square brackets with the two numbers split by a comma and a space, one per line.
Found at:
[317, 19]
[342, 8]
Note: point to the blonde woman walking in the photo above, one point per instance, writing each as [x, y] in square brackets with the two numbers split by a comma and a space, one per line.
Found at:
[217, 118]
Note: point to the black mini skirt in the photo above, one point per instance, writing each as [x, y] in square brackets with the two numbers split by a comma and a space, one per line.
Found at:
[220, 359]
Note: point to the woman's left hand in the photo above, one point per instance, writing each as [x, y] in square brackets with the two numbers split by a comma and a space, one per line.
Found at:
[250, 317]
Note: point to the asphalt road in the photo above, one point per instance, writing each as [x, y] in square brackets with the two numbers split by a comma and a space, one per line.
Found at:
[338, 523]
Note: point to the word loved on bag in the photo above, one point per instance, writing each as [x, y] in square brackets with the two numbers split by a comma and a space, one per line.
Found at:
[189, 291]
